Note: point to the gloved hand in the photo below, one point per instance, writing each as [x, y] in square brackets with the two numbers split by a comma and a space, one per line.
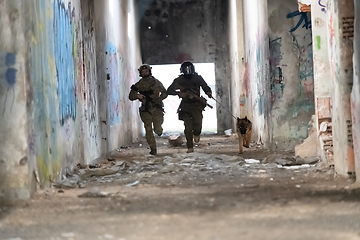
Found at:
[140, 96]
[209, 94]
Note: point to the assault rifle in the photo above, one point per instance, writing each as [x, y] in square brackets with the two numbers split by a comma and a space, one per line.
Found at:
[191, 94]
[148, 98]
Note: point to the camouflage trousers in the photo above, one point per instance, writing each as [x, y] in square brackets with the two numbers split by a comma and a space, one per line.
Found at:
[152, 122]
[192, 116]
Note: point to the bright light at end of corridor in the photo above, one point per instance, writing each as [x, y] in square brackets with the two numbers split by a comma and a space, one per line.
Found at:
[112, 7]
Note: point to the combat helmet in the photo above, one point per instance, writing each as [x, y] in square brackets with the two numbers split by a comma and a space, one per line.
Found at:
[142, 67]
[187, 68]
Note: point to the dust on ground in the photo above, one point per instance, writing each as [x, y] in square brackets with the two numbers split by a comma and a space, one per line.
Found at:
[213, 193]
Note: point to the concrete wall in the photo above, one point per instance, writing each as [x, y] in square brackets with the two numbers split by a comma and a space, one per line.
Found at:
[291, 73]
[355, 95]
[117, 63]
[237, 57]
[52, 91]
[14, 171]
[322, 78]
[256, 76]
[340, 17]
[178, 30]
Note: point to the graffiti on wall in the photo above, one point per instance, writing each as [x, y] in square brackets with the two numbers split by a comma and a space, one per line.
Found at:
[113, 79]
[91, 112]
[323, 7]
[64, 60]
[302, 55]
[303, 19]
[276, 75]
[8, 72]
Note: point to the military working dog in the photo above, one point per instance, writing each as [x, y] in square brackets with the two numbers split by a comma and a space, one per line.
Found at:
[243, 129]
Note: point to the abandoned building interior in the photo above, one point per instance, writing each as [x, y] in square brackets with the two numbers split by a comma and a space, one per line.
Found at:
[66, 68]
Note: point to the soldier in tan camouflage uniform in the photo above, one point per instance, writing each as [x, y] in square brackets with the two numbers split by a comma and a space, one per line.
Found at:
[187, 86]
[151, 93]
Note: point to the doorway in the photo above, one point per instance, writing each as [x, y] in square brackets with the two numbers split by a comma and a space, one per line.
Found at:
[166, 74]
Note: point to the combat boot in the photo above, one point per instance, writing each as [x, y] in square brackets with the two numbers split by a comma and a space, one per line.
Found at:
[190, 150]
[153, 151]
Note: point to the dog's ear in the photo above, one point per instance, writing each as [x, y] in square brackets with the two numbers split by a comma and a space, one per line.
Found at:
[245, 117]
[238, 119]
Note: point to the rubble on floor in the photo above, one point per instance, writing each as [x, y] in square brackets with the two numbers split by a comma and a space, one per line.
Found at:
[142, 169]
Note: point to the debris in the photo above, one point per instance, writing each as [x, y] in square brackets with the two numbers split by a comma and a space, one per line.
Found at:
[307, 160]
[188, 160]
[323, 127]
[175, 140]
[133, 184]
[93, 193]
[308, 147]
[279, 159]
[99, 172]
[252, 161]
[171, 168]
[284, 160]
[228, 132]
[92, 166]
[70, 182]
[295, 167]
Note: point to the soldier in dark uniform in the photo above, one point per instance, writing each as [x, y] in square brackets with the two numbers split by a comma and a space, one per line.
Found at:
[151, 93]
[187, 86]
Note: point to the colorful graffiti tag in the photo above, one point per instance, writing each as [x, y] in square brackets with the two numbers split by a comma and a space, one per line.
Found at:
[276, 75]
[303, 18]
[63, 34]
[114, 84]
[9, 71]
[323, 7]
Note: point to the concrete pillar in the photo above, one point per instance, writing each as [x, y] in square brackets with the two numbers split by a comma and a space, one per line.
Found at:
[222, 65]
[237, 56]
[340, 18]
[322, 79]
[14, 162]
[355, 95]
[257, 68]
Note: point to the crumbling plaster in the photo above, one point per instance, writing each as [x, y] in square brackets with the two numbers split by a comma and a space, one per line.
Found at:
[291, 73]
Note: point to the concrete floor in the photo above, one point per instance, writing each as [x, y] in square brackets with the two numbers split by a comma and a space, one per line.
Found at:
[212, 194]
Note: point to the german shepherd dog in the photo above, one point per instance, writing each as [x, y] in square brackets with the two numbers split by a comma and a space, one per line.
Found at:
[243, 129]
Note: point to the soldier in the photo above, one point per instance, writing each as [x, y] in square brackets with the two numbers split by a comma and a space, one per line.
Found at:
[187, 86]
[150, 92]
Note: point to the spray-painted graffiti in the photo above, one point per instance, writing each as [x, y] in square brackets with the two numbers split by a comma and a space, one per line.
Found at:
[114, 84]
[7, 67]
[276, 75]
[306, 70]
[318, 42]
[323, 7]
[303, 18]
[63, 34]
